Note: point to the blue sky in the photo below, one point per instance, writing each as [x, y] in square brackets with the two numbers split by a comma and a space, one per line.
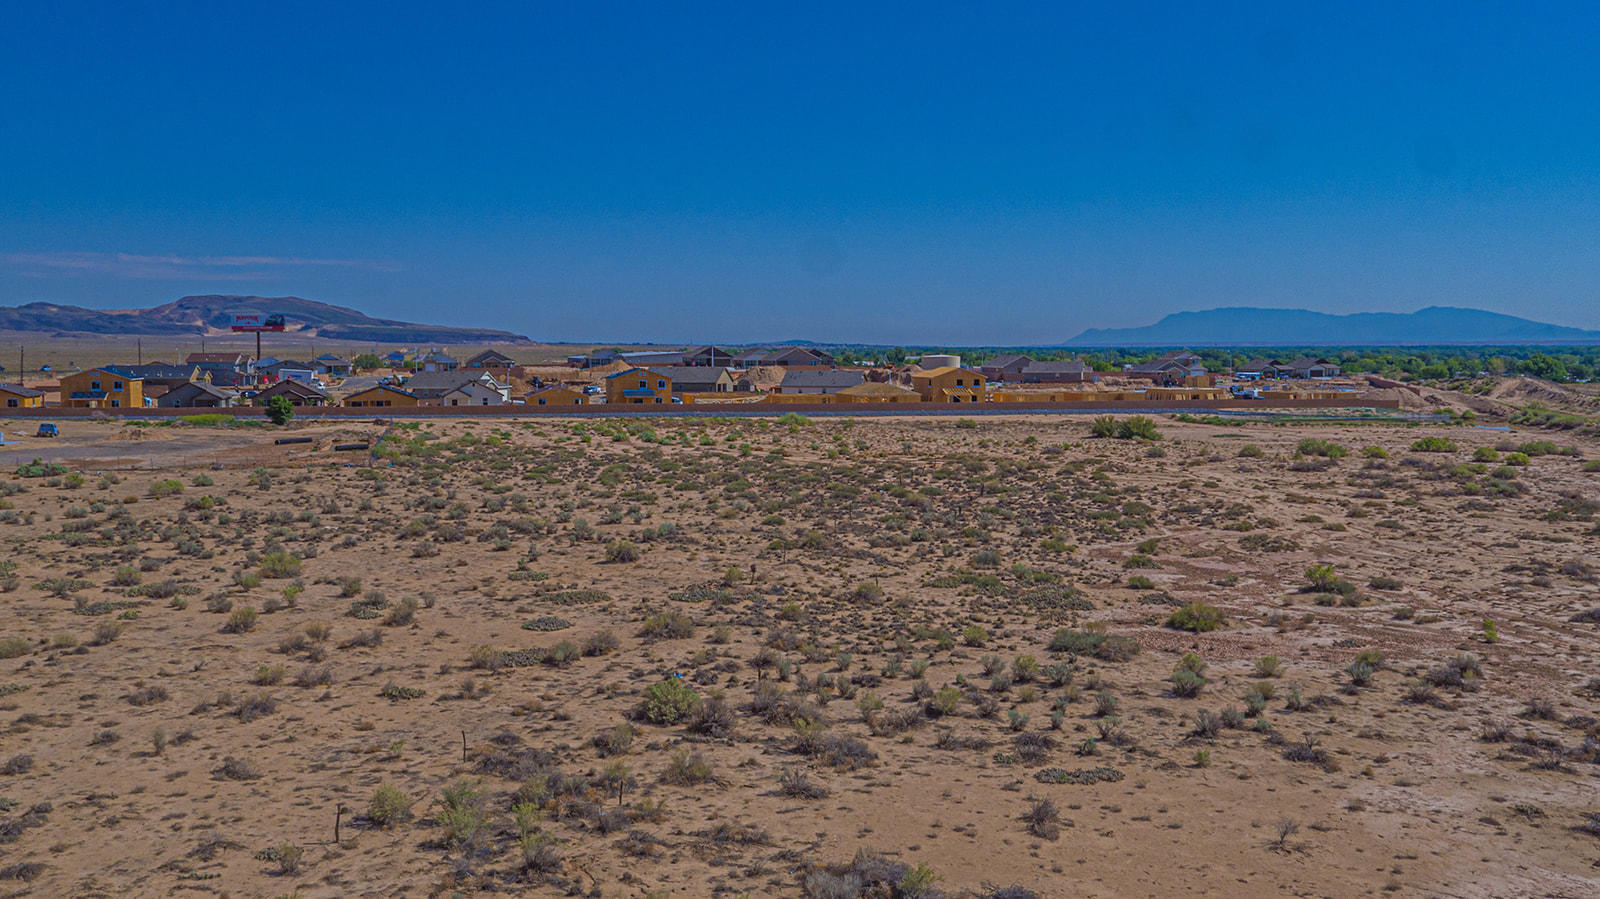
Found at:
[899, 173]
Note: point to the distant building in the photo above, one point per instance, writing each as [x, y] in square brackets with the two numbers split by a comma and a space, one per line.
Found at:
[165, 376]
[491, 359]
[226, 369]
[1005, 368]
[788, 355]
[381, 396]
[1173, 369]
[1070, 371]
[466, 388]
[298, 393]
[708, 357]
[594, 359]
[196, 395]
[437, 360]
[1258, 370]
[653, 358]
[328, 363]
[1307, 368]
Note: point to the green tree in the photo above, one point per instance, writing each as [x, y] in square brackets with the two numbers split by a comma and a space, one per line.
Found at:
[367, 362]
[280, 410]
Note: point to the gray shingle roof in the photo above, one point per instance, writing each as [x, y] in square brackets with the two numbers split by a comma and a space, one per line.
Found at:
[832, 378]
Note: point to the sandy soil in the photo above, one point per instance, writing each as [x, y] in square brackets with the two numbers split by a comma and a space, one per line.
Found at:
[815, 585]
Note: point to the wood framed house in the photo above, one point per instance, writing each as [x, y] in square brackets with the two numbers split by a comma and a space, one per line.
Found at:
[950, 384]
[638, 386]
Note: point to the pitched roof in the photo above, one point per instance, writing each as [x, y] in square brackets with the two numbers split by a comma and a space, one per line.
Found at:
[217, 358]
[160, 370]
[1307, 362]
[877, 388]
[19, 390]
[654, 357]
[800, 352]
[834, 377]
[944, 370]
[118, 371]
[687, 377]
[202, 387]
[629, 371]
[1062, 366]
[1008, 360]
[380, 387]
[292, 386]
[489, 356]
[445, 381]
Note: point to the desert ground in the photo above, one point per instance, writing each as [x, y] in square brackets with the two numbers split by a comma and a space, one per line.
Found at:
[688, 657]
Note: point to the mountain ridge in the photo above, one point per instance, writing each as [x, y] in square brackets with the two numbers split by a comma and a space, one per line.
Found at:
[211, 314]
[1257, 326]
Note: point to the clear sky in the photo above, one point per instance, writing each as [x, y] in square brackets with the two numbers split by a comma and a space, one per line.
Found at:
[897, 173]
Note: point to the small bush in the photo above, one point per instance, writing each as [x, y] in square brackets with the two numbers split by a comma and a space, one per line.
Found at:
[622, 551]
[1197, 617]
[240, 620]
[668, 702]
[1434, 445]
[279, 564]
[389, 807]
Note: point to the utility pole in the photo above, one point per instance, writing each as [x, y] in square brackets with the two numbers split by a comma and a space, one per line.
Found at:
[22, 365]
[140, 344]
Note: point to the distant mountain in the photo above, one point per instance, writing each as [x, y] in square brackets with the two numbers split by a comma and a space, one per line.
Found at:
[1244, 326]
[211, 315]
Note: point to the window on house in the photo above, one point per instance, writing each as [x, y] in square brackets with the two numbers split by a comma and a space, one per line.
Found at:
[661, 384]
[94, 385]
[643, 384]
[116, 385]
[116, 403]
[960, 383]
[541, 401]
[11, 403]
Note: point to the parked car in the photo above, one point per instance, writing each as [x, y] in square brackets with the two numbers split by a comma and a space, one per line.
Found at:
[47, 429]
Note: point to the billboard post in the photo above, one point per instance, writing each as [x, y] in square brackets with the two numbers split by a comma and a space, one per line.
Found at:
[255, 323]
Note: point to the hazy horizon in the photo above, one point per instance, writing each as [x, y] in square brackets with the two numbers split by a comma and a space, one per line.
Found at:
[889, 175]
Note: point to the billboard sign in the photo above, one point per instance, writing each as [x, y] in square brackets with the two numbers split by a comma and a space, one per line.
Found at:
[258, 322]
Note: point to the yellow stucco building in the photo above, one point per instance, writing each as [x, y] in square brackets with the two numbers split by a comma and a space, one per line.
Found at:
[102, 388]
